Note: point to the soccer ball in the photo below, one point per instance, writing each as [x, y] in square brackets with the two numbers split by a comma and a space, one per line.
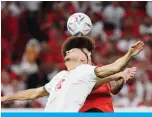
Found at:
[79, 24]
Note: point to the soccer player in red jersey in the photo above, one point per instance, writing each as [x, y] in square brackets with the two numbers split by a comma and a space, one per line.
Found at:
[100, 99]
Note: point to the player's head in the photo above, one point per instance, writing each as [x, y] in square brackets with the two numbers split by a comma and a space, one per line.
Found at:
[78, 49]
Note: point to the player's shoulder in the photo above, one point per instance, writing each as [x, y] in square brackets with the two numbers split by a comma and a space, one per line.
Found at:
[87, 69]
[86, 66]
[61, 73]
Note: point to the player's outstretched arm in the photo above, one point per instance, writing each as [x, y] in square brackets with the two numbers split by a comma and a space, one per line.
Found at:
[116, 85]
[117, 80]
[119, 64]
[29, 94]
[114, 77]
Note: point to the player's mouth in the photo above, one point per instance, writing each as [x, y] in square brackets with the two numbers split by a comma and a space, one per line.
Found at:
[67, 59]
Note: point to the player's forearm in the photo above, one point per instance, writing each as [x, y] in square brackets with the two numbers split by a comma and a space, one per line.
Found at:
[116, 86]
[122, 62]
[23, 95]
[113, 68]
[102, 81]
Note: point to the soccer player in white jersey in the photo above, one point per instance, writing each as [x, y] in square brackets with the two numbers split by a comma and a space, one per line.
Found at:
[68, 89]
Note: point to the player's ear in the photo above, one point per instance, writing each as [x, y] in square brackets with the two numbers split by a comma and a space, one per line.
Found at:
[82, 59]
[86, 51]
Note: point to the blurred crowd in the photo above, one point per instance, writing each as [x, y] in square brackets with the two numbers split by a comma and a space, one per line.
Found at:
[32, 33]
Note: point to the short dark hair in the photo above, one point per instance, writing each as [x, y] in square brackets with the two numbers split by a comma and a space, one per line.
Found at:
[78, 42]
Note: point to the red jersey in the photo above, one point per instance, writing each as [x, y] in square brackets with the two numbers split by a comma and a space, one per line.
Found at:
[100, 99]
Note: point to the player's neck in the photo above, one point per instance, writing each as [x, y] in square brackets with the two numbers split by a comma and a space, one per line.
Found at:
[73, 65]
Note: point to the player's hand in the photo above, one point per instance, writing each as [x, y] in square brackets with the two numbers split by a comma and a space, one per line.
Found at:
[129, 73]
[136, 49]
[120, 75]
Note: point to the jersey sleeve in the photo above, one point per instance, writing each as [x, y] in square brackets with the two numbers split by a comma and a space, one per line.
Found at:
[89, 70]
[48, 87]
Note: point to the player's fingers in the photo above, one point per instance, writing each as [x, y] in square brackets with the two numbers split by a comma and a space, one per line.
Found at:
[141, 48]
[128, 78]
[141, 45]
[128, 75]
[133, 71]
[130, 68]
[132, 75]
[126, 70]
[134, 46]
[133, 68]
[138, 43]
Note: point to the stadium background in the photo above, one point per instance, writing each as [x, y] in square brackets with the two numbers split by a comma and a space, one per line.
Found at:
[32, 33]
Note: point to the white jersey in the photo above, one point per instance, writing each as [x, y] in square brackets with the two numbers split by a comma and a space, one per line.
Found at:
[68, 89]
